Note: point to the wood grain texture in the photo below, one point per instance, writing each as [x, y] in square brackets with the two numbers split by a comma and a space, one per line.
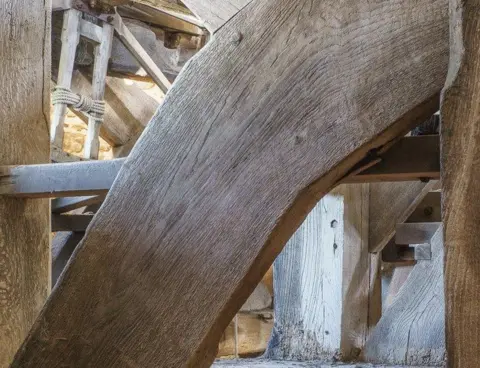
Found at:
[392, 203]
[67, 204]
[460, 137]
[63, 245]
[411, 158]
[263, 363]
[24, 131]
[412, 329]
[322, 282]
[227, 170]
[215, 13]
[59, 180]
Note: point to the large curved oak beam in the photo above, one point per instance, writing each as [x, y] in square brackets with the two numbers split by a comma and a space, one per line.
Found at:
[286, 98]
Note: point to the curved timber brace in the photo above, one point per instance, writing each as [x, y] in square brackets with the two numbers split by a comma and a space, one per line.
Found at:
[74, 27]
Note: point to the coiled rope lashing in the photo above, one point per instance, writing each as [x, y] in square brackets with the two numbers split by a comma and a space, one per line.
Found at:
[94, 109]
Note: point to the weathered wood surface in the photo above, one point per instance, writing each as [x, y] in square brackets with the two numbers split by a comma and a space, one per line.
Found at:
[59, 180]
[216, 186]
[100, 68]
[67, 204]
[24, 133]
[70, 38]
[81, 178]
[415, 233]
[411, 158]
[400, 275]
[263, 363]
[322, 282]
[411, 330]
[429, 210]
[460, 139]
[63, 245]
[75, 223]
[215, 13]
[392, 203]
[131, 43]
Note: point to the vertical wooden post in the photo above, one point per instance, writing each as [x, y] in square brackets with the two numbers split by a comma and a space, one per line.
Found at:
[70, 39]
[102, 55]
[460, 160]
[322, 282]
[24, 111]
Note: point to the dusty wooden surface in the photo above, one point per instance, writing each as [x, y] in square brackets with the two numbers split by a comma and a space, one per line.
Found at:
[59, 180]
[412, 329]
[260, 363]
[390, 204]
[215, 13]
[24, 115]
[322, 282]
[228, 169]
[460, 137]
[411, 158]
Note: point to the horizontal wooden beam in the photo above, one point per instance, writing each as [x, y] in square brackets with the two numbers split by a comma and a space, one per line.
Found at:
[261, 363]
[75, 223]
[416, 233]
[410, 159]
[59, 180]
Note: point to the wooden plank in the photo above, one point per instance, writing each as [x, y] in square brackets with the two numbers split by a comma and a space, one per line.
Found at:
[131, 43]
[461, 192]
[59, 180]
[400, 275]
[429, 210]
[216, 186]
[263, 363]
[215, 13]
[70, 38]
[392, 203]
[91, 31]
[171, 17]
[100, 67]
[322, 282]
[75, 223]
[58, 5]
[67, 204]
[24, 131]
[415, 233]
[412, 329]
[63, 245]
[411, 158]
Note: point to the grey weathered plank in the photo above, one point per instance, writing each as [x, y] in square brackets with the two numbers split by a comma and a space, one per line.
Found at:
[59, 180]
[461, 193]
[24, 133]
[263, 363]
[70, 38]
[215, 13]
[100, 67]
[411, 158]
[91, 31]
[392, 203]
[228, 169]
[74, 223]
[67, 204]
[415, 233]
[322, 283]
[131, 43]
[412, 329]
[63, 245]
